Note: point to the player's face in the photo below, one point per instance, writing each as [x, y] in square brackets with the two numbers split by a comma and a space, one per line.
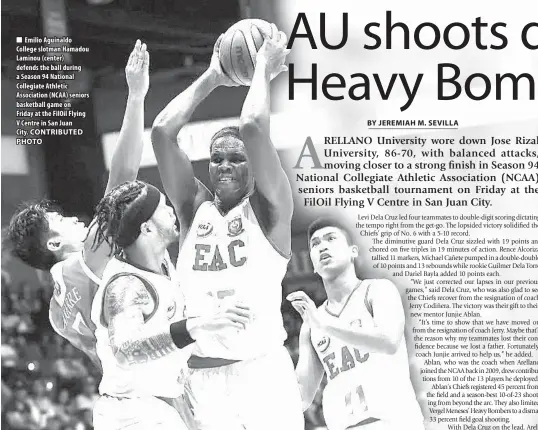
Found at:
[164, 221]
[330, 251]
[229, 168]
[67, 233]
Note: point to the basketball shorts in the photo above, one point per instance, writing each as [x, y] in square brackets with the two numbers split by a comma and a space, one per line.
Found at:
[256, 394]
[140, 413]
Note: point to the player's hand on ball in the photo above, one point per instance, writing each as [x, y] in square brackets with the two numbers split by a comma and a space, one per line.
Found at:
[220, 76]
[306, 308]
[137, 70]
[273, 53]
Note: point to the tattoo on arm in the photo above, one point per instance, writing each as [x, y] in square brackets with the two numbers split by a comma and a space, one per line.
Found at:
[127, 302]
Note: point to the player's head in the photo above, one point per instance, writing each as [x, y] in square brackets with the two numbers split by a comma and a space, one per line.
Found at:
[134, 213]
[229, 170]
[331, 247]
[41, 236]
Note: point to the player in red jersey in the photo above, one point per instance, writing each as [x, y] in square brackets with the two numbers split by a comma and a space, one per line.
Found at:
[45, 239]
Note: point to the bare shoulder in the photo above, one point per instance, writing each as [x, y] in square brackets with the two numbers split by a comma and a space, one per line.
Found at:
[124, 292]
[383, 294]
[381, 285]
[188, 211]
[274, 220]
[188, 208]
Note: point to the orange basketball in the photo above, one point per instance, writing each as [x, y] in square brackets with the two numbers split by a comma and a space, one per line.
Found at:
[238, 48]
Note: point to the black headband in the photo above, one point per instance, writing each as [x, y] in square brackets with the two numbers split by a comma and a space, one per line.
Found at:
[134, 218]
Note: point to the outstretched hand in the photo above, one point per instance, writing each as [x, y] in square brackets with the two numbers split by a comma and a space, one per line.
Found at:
[137, 70]
[306, 308]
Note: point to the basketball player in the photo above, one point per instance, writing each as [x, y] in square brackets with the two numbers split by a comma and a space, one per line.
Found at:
[45, 239]
[234, 246]
[138, 312]
[356, 338]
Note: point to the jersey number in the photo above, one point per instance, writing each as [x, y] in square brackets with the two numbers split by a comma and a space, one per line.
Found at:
[356, 401]
[221, 295]
[80, 326]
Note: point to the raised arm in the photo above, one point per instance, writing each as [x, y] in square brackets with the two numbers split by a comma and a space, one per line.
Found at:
[185, 192]
[270, 178]
[383, 336]
[128, 152]
[128, 303]
[309, 369]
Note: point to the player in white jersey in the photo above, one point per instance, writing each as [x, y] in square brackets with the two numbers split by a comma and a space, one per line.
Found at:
[234, 247]
[45, 239]
[356, 338]
[138, 313]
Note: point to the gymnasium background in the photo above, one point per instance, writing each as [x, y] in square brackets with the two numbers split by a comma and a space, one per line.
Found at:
[45, 382]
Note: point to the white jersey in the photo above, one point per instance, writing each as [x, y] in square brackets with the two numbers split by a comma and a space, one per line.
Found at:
[362, 384]
[160, 377]
[228, 257]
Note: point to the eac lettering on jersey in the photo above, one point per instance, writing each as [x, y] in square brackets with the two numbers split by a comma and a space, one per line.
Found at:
[348, 362]
[208, 257]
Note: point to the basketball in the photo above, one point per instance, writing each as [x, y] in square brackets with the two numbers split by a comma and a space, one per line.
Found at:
[238, 48]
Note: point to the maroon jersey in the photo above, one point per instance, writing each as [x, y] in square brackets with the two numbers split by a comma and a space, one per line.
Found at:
[75, 286]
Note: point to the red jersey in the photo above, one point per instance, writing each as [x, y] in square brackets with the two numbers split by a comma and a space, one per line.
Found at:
[75, 286]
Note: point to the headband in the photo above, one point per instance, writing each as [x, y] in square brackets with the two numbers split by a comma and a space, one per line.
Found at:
[130, 224]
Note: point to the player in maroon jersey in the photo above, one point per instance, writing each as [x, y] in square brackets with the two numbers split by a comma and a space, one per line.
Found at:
[45, 239]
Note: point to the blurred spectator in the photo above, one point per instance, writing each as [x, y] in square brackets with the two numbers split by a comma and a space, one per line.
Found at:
[42, 404]
[33, 356]
[25, 326]
[29, 353]
[40, 316]
[54, 424]
[10, 357]
[87, 398]
[70, 367]
[83, 420]
[63, 410]
[10, 320]
[21, 301]
[53, 347]
[87, 418]
[6, 258]
[6, 395]
[19, 413]
[13, 299]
